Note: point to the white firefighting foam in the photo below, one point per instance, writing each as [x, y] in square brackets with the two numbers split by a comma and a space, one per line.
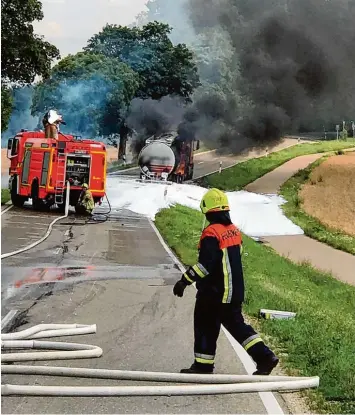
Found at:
[256, 215]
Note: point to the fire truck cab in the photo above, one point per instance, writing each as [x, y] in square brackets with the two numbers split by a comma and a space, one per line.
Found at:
[40, 168]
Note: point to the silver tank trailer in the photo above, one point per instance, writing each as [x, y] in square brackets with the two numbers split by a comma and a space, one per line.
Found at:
[157, 160]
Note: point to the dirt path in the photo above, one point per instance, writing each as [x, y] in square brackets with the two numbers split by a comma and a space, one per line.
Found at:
[300, 248]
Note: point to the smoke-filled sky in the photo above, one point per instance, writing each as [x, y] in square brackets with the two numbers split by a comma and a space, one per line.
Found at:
[279, 65]
[268, 67]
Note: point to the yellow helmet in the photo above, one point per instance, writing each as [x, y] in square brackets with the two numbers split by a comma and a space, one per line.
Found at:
[85, 185]
[214, 201]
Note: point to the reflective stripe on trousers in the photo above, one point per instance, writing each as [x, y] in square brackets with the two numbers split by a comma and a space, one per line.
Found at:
[227, 272]
[204, 358]
[250, 341]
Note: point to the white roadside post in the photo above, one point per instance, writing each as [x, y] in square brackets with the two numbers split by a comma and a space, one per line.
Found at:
[220, 167]
[353, 128]
[337, 128]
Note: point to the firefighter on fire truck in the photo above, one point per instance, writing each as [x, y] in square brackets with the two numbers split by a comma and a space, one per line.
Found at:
[220, 290]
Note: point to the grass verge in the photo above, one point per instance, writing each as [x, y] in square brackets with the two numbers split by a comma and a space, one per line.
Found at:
[319, 341]
[310, 225]
[235, 178]
[5, 196]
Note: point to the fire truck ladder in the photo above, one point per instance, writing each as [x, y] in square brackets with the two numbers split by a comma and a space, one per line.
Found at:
[59, 187]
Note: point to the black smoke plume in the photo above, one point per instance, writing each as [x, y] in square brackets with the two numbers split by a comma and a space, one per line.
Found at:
[292, 69]
[151, 117]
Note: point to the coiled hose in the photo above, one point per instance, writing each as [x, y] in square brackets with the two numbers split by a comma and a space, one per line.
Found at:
[202, 384]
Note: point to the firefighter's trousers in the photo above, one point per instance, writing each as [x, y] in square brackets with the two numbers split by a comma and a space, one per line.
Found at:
[208, 317]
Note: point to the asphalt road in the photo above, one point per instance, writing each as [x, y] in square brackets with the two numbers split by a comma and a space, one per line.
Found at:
[117, 275]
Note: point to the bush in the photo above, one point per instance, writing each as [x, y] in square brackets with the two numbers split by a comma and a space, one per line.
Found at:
[344, 135]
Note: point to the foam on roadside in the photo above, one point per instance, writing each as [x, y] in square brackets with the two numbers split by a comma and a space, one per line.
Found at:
[256, 215]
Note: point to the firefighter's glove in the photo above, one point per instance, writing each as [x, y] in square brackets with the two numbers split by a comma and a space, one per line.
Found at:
[179, 288]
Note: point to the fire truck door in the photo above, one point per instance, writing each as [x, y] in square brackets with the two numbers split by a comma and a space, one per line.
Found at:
[98, 172]
[26, 167]
[44, 175]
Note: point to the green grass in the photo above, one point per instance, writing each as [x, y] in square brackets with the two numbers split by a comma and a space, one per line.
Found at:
[319, 341]
[5, 196]
[235, 178]
[310, 225]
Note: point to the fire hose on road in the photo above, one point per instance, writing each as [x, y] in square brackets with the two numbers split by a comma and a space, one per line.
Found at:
[49, 230]
[203, 384]
[96, 218]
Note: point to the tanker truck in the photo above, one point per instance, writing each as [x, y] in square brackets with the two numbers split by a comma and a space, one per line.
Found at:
[167, 157]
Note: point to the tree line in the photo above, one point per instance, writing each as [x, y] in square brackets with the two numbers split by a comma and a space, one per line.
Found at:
[93, 88]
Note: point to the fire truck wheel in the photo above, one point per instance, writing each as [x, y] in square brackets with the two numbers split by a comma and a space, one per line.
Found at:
[37, 203]
[16, 199]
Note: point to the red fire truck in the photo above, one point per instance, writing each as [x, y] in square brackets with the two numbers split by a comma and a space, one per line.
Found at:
[40, 168]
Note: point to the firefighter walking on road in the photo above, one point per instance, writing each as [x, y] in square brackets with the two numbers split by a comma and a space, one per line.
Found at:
[220, 290]
[86, 203]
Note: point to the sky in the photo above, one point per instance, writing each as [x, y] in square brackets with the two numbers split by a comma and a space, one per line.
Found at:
[68, 24]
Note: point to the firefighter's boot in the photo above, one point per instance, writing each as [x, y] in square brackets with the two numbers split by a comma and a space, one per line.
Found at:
[265, 366]
[199, 368]
[264, 358]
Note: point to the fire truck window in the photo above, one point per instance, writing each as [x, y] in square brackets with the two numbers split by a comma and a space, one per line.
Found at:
[14, 147]
[45, 165]
[26, 166]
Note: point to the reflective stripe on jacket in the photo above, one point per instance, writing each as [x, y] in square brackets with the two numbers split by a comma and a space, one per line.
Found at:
[219, 272]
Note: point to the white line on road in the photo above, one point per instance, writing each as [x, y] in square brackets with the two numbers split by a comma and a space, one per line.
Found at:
[6, 320]
[6, 209]
[267, 398]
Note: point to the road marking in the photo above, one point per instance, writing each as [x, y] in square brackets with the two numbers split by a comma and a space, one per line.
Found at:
[268, 399]
[201, 162]
[8, 208]
[6, 320]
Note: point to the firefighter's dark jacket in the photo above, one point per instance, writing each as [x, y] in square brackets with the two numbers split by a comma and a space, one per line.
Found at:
[219, 273]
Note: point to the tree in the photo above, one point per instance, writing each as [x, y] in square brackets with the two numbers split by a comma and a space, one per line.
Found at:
[23, 53]
[6, 107]
[21, 114]
[164, 69]
[86, 87]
